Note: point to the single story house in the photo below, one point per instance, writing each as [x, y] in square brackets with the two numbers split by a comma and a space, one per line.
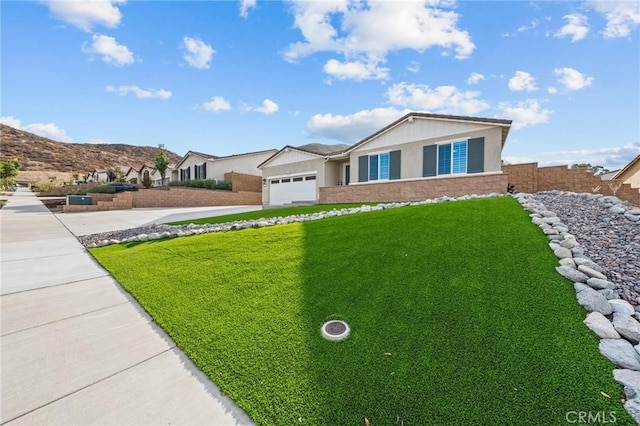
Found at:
[419, 147]
[198, 165]
[138, 175]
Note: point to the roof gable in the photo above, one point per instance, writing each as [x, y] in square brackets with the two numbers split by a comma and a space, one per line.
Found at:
[289, 154]
[628, 169]
[435, 125]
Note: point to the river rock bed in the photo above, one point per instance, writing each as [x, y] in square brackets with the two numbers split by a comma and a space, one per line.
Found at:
[607, 229]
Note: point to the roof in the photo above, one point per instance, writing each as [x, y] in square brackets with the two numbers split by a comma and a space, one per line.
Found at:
[210, 157]
[319, 149]
[505, 124]
[627, 167]
[323, 149]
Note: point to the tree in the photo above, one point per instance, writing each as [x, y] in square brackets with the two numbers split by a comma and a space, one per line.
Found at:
[162, 162]
[8, 170]
[596, 170]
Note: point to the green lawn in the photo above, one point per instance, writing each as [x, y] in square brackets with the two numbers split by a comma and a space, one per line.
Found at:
[269, 213]
[457, 317]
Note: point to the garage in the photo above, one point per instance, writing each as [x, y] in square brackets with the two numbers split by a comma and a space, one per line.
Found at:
[291, 189]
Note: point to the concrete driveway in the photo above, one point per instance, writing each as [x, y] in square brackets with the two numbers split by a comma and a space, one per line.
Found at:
[88, 223]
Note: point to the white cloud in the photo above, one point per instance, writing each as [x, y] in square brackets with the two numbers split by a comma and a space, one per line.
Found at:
[413, 66]
[522, 82]
[576, 27]
[110, 51]
[609, 157]
[552, 90]
[523, 114]
[355, 70]
[199, 53]
[217, 103]
[46, 130]
[268, 107]
[86, 14]
[442, 99]
[622, 17]
[475, 78]
[572, 79]
[512, 159]
[354, 127]
[368, 32]
[245, 5]
[140, 93]
[523, 28]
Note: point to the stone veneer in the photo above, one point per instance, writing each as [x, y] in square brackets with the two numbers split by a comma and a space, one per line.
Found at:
[415, 190]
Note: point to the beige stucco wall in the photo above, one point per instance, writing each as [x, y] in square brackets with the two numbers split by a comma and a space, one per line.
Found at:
[411, 156]
[246, 164]
[315, 165]
[632, 175]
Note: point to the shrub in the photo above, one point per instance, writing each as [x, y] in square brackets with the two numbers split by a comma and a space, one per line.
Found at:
[203, 183]
[45, 186]
[101, 189]
[146, 181]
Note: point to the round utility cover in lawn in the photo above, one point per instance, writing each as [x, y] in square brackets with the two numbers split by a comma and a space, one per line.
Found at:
[335, 330]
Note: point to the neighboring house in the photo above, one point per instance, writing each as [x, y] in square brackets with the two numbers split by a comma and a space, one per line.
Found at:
[99, 175]
[198, 165]
[630, 173]
[418, 146]
[137, 176]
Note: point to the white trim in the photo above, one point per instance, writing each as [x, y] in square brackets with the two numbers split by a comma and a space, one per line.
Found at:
[293, 174]
[460, 175]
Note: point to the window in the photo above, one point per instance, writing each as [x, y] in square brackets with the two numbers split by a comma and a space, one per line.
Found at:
[379, 166]
[463, 157]
[297, 179]
[286, 180]
[200, 171]
[273, 182]
[310, 178]
[185, 174]
[452, 158]
[383, 166]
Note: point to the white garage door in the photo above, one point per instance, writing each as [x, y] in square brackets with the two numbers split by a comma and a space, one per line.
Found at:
[288, 190]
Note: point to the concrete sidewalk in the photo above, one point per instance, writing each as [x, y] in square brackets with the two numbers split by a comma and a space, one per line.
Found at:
[77, 349]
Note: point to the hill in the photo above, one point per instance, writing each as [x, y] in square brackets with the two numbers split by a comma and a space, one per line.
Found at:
[39, 154]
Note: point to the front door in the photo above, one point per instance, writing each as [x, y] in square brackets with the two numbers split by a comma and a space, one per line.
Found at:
[347, 174]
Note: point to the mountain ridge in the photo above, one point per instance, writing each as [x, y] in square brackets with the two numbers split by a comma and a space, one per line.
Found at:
[37, 153]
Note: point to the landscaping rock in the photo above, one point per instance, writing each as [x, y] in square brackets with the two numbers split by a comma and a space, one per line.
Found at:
[627, 377]
[627, 327]
[601, 326]
[600, 284]
[633, 408]
[593, 301]
[578, 287]
[591, 272]
[621, 353]
[563, 253]
[622, 307]
[609, 294]
[588, 262]
[632, 217]
[572, 274]
[616, 209]
[568, 262]
[569, 243]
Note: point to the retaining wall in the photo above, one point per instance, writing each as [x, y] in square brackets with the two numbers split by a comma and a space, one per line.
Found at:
[415, 190]
[531, 178]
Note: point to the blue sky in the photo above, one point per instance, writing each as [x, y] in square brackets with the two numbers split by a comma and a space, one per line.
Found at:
[226, 77]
